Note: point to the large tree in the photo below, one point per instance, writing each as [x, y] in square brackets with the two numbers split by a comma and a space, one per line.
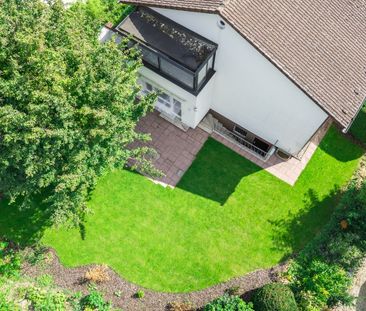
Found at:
[68, 105]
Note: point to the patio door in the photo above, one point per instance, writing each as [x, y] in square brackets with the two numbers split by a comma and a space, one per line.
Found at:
[166, 103]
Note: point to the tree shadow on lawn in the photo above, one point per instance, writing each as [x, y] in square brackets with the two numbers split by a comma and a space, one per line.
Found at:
[216, 172]
[292, 233]
[24, 226]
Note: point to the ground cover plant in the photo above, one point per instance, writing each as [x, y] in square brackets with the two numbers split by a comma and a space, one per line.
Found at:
[227, 217]
[228, 303]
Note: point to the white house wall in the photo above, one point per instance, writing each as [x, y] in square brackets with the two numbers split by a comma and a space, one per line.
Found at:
[250, 90]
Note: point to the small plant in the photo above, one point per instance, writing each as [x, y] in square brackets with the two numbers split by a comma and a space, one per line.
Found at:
[97, 274]
[42, 300]
[274, 297]
[180, 306]
[229, 303]
[233, 291]
[45, 280]
[118, 293]
[94, 301]
[36, 255]
[140, 294]
[10, 261]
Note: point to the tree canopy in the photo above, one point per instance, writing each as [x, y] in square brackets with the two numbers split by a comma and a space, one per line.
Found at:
[68, 105]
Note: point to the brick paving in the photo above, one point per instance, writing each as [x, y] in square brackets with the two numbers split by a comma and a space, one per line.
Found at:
[177, 150]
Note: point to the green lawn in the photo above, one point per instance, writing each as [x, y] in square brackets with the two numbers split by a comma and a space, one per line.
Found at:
[358, 128]
[227, 217]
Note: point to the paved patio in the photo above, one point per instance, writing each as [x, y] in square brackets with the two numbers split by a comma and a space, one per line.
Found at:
[177, 150]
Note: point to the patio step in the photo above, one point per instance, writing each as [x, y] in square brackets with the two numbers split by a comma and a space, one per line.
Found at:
[207, 124]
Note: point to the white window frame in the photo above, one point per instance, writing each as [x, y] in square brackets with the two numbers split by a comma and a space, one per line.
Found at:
[167, 102]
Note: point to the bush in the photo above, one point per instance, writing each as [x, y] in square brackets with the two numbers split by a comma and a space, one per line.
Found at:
[275, 297]
[319, 285]
[229, 303]
[94, 301]
[43, 300]
[97, 274]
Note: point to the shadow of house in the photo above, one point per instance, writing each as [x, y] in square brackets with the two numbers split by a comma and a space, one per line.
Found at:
[292, 233]
[24, 226]
[340, 150]
[358, 129]
[216, 172]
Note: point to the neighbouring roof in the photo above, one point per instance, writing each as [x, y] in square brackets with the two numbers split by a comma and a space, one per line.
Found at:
[319, 44]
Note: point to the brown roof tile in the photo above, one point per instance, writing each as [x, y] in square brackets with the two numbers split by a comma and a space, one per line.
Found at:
[319, 44]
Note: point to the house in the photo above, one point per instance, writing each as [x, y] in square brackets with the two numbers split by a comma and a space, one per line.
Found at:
[266, 74]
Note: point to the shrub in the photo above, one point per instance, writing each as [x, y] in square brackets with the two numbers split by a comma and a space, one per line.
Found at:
[97, 274]
[275, 297]
[94, 301]
[43, 300]
[45, 280]
[229, 303]
[36, 255]
[180, 306]
[346, 250]
[319, 284]
[10, 261]
[140, 294]
[5, 304]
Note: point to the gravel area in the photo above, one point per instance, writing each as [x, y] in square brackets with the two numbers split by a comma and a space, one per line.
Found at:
[72, 279]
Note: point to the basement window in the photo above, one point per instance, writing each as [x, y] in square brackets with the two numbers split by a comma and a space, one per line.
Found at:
[238, 130]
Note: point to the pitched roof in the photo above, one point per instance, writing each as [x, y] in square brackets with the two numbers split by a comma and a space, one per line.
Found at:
[319, 44]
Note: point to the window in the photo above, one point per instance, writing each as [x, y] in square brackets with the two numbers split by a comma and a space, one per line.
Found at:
[177, 73]
[177, 109]
[149, 56]
[238, 130]
[165, 102]
[164, 99]
[261, 144]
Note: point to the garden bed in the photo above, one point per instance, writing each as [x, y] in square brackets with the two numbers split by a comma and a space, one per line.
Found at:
[73, 279]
